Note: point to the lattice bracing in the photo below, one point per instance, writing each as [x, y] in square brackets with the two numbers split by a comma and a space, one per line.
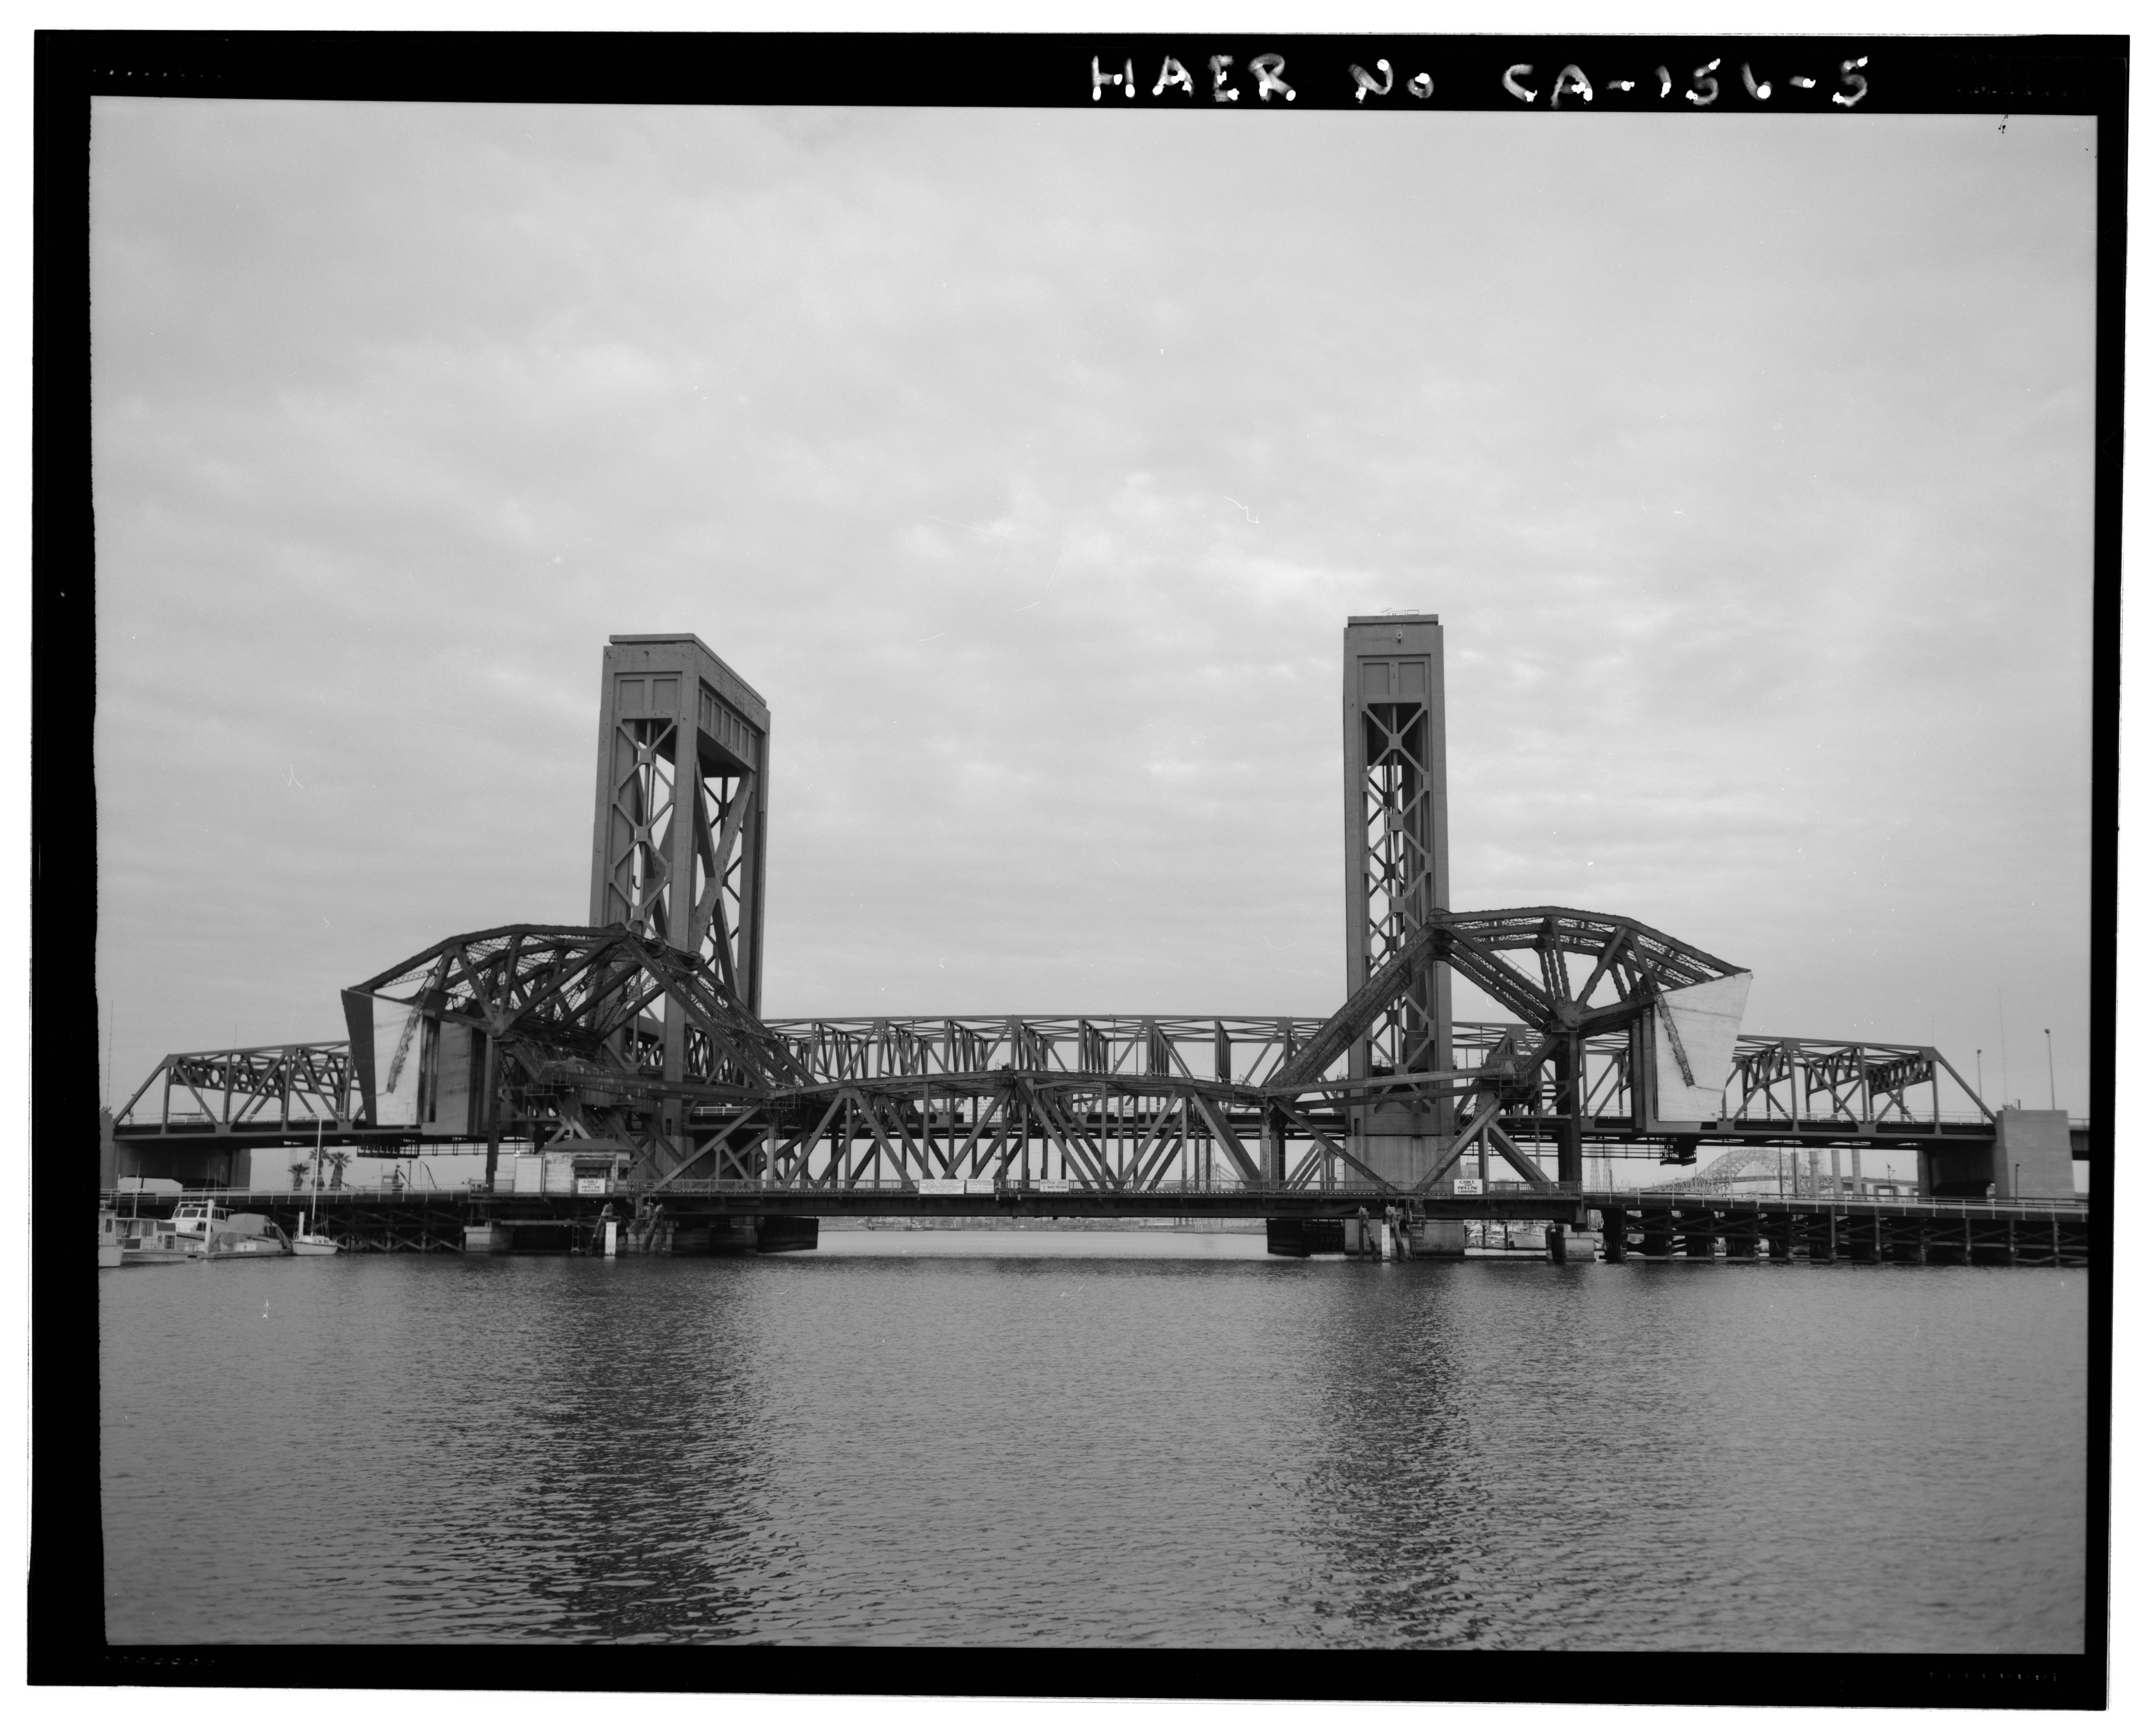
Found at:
[294, 1087]
[1397, 876]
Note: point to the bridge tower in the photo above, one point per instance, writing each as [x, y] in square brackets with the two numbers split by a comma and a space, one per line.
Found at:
[677, 829]
[1398, 871]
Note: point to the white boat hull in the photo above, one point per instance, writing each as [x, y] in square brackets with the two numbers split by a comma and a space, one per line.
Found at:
[155, 1256]
[235, 1247]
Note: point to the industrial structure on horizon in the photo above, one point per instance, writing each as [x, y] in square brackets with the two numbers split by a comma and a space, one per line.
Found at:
[620, 1072]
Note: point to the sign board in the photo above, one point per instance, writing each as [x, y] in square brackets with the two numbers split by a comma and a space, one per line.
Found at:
[1467, 1187]
[986, 1183]
[590, 1183]
[1053, 1185]
[941, 1189]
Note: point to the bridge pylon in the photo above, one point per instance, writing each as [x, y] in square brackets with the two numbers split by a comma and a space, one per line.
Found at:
[1399, 875]
[679, 819]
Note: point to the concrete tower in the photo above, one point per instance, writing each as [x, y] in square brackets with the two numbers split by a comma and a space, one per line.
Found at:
[1392, 712]
[677, 834]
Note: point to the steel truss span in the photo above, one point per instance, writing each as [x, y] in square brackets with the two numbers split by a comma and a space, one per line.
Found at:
[630, 1056]
[599, 1039]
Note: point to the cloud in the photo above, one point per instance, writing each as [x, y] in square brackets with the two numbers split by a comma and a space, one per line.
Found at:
[1030, 466]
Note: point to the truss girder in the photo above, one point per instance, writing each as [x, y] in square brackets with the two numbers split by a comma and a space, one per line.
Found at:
[1633, 959]
[294, 1085]
[584, 1013]
[298, 1085]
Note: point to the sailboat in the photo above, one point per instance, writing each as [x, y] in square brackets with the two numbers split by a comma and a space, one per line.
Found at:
[316, 1245]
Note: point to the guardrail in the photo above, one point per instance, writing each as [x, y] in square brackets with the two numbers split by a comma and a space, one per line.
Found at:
[221, 1194]
[1844, 1202]
[1508, 1190]
[986, 1187]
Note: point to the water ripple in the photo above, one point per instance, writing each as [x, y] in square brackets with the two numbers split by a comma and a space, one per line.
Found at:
[1093, 1440]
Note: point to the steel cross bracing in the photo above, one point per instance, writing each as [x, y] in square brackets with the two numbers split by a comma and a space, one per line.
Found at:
[565, 1029]
[647, 795]
[290, 1089]
[281, 1095]
[1397, 873]
[578, 1030]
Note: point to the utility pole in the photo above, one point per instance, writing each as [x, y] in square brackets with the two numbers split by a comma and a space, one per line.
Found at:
[2051, 1065]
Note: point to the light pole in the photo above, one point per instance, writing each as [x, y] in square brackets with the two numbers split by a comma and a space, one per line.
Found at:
[2051, 1065]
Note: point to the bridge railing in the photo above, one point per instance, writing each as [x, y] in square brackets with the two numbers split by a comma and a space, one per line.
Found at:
[1838, 1202]
[1166, 1193]
[1844, 1204]
[127, 1200]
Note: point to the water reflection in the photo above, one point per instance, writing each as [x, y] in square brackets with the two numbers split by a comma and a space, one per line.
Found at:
[1025, 1440]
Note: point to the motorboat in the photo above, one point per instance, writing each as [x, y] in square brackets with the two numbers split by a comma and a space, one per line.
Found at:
[193, 1223]
[207, 1230]
[125, 1239]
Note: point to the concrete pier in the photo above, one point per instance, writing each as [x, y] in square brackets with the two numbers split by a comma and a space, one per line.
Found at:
[1568, 1244]
[1434, 1238]
[653, 1235]
[1298, 1237]
[2031, 1155]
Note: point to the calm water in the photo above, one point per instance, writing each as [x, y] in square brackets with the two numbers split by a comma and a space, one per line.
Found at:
[1120, 1438]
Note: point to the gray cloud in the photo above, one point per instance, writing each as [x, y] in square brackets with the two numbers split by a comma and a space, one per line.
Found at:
[1028, 464]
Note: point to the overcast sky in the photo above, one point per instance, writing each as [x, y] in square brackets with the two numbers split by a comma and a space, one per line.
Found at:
[1028, 464]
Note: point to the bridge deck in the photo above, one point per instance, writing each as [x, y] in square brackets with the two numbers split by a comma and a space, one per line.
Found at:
[474, 1204]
